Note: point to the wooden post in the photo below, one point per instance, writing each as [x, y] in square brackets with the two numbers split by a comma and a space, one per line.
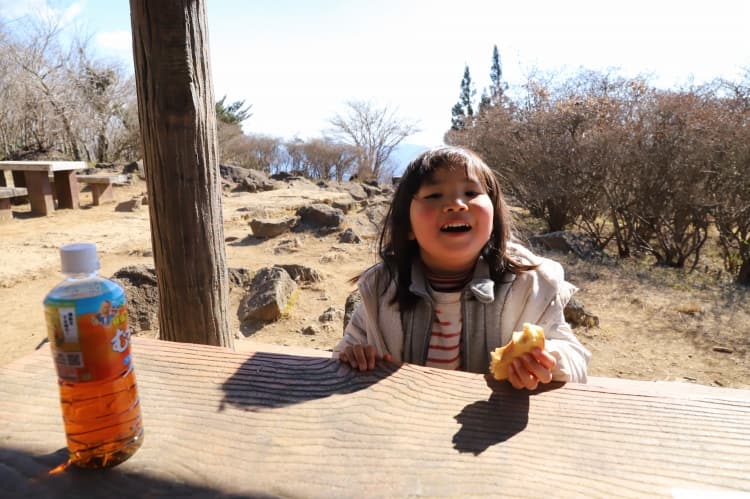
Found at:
[40, 192]
[177, 114]
[66, 189]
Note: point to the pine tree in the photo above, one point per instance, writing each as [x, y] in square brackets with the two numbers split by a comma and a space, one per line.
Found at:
[458, 117]
[463, 110]
[234, 113]
[497, 86]
[484, 102]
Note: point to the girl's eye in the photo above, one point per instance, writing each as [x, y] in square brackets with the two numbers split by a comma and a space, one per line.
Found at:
[434, 195]
[472, 194]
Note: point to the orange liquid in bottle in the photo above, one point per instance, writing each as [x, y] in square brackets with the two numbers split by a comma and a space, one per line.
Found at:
[102, 420]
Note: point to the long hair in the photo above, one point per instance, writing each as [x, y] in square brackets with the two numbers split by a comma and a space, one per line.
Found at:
[398, 251]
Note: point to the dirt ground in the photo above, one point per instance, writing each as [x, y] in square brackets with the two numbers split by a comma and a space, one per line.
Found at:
[655, 324]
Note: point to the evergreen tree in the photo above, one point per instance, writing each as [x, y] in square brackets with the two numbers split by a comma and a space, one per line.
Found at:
[234, 113]
[467, 93]
[463, 110]
[497, 86]
[458, 117]
[484, 102]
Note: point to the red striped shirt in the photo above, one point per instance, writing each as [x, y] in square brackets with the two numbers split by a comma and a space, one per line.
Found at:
[445, 341]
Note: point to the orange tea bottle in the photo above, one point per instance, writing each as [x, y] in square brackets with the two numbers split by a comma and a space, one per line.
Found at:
[87, 324]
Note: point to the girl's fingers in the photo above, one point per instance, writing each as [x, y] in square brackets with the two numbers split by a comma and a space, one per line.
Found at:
[360, 357]
[544, 358]
[535, 369]
[524, 376]
[372, 355]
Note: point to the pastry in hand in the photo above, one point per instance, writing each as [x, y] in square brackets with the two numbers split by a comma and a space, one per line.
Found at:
[524, 341]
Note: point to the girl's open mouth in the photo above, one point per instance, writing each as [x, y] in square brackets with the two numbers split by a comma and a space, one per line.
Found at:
[455, 227]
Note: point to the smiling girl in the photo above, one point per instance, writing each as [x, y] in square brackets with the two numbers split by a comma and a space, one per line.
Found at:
[452, 286]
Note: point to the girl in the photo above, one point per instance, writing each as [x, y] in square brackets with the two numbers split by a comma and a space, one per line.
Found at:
[452, 286]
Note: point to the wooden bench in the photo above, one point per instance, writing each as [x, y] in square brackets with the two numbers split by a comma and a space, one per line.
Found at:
[6, 194]
[101, 186]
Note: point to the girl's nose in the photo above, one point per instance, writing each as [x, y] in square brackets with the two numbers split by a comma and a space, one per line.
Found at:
[455, 203]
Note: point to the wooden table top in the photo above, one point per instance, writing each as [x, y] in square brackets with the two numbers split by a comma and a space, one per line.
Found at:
[42, 166]
[279, 424]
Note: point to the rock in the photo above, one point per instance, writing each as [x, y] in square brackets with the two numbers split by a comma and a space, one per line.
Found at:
[142, 292]
[257, 181]
[372, 189]
[130, 205]
[329, 315]
[245, 179]
[273, 227]
[300, 273]
[354, 189]
[270, 292]
[349, 237]
[565, 242]
[136, 167]
[310, 331]
[351, 303]
[576, 315]
[233, 174]
[320, 215]
[239, 278]
[344, 206]
[287, 246]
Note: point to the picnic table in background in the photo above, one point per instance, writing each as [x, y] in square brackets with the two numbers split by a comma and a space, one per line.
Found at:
[286, 423]
[35, 177]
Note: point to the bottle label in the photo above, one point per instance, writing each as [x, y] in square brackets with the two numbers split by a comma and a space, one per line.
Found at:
[90, 338]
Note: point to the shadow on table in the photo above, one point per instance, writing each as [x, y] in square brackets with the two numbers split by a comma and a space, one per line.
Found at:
[488, 422]
[269, 380]
[24, 475]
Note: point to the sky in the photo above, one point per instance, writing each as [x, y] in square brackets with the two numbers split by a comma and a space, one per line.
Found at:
[299, 61]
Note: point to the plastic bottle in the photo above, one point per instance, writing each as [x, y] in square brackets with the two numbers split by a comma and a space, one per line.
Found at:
[90, 340]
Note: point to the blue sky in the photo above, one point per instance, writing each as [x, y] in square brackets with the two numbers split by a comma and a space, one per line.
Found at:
[298, 61]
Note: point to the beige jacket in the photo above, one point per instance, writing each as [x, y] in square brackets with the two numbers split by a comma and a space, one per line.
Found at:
[492, 311]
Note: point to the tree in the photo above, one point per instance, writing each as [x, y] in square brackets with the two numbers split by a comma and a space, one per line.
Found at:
[57, 101]
[463, 111]
[178, 124]
[497, 86]
[234, 113]
[320, 158]
[375, 132]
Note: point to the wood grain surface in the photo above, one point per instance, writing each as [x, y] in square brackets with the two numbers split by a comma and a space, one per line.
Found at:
[225, 424]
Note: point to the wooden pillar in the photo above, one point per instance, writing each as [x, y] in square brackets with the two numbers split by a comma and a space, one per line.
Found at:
[40, 192]
[66, 189]
[102, 193]
[177, 115]
[6, 214]
[19, 179]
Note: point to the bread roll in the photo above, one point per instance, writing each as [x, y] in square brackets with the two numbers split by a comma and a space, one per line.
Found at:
[524, 341]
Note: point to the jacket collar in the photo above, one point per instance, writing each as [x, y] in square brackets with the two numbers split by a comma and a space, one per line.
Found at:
[481, 285]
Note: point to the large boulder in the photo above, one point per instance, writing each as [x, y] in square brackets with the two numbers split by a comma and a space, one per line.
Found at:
[269, 295]
[142, 292]
[273, 227]
[320, 215]
[245, 179]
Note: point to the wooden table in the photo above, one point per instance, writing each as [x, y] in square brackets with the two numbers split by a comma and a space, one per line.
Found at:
[229, 424]
[35, 176]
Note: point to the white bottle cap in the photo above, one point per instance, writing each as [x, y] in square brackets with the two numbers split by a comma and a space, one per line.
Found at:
[79, 258]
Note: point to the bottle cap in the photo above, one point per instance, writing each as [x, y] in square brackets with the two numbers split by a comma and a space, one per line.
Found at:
[79, 258]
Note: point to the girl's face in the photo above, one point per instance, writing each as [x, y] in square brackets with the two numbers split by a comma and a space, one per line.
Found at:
[451, 219]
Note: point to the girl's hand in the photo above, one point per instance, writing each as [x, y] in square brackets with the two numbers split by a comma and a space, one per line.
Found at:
[362, 357]
[530, 369]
